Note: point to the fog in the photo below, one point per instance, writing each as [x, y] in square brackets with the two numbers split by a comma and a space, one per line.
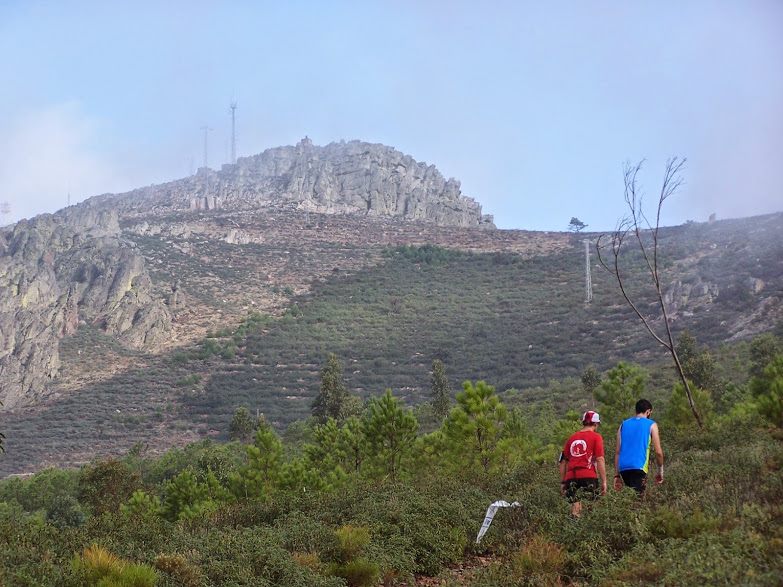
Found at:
[534, 108]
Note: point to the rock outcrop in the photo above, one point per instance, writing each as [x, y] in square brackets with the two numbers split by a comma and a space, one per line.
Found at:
[341, 178]
[57, 272]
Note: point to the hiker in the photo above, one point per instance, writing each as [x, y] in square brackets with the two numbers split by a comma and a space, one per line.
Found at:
[582, 464]
[632, 458]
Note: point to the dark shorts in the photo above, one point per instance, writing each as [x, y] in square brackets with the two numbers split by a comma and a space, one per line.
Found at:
[636, 479]
[579, 489]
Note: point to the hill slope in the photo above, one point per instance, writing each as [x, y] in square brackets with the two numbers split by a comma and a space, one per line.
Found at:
[150, 316]
[510, 310]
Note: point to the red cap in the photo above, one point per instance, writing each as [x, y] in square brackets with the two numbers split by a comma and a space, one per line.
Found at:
[591, 417]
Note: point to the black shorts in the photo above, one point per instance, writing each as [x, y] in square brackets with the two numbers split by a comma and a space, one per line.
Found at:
[579, 489]
[636, 479]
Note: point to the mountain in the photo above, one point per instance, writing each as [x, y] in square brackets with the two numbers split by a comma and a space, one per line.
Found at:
[148, 317]
[341, 178]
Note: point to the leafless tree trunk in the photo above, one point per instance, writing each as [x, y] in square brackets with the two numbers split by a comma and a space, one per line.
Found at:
[636, 227]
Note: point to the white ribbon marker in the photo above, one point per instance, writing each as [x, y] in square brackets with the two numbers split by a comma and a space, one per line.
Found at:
[491, 511]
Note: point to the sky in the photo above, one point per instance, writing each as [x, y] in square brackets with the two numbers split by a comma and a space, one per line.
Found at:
[533, 106]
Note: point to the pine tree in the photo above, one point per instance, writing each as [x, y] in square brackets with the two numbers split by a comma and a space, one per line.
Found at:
[768, 391]
[242, 425]
[618, 393]
[183, 496]
[576, 225]
[698, 365]
[390, 431]
[263, 468]
[333, 399]
[474, 427]
[441, 391]
[353, 444]
[325, 452]
[591, 379]
[763, 349]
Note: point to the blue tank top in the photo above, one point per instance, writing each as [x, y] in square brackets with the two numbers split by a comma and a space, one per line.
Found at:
[635, 440]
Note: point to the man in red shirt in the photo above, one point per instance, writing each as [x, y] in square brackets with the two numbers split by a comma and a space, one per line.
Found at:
[582, 463]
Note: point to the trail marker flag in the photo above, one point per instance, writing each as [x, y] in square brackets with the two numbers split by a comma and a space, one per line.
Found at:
[491, 511]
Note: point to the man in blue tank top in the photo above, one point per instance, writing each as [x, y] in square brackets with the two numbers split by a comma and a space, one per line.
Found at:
[635, 437]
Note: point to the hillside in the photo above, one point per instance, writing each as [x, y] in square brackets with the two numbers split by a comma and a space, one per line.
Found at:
[141, 320]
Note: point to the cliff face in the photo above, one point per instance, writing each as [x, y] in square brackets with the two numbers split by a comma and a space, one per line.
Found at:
[347, 177]
[57, 271]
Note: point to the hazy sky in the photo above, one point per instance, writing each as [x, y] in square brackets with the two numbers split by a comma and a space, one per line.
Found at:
[533, 107]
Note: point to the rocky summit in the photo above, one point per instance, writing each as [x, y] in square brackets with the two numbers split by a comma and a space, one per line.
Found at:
[341, 178]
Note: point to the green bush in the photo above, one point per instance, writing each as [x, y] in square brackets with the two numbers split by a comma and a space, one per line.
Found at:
[104, 569]
[180, 569]
[352, 541]
[538, 562]
[357, 573]
[669, 523]
[726, 558]
[103, 486]
[65, 511]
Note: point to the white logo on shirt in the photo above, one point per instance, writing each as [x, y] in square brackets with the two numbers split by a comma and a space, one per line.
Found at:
[578, 448]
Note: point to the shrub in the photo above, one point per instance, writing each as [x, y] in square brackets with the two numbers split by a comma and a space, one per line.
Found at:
[669, 523]
[728, 558]
[539, 562]
[352, 541]
[105, 485]
[540, 556]
[102, 568]
[357, 573]
[300, 532]
[180, 569]
[64, 512]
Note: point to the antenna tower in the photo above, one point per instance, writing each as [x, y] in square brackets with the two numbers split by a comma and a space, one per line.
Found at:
[233, 131]
[588, 276]
[206, 130]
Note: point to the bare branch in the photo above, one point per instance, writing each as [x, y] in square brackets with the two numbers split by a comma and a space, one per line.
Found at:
[633, 223]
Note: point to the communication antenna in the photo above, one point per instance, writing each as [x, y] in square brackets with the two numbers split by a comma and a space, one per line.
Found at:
[233, 106]
[588, 275]
[206, 130]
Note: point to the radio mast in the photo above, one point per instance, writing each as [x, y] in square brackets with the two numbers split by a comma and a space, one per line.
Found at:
[206, 130]
[233, 131]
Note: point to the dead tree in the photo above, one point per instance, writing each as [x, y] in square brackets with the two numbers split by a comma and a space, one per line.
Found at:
[636, 228]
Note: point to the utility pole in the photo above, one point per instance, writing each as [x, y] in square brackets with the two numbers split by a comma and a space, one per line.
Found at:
[206, 130]
[233, 131]
[588, 275]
